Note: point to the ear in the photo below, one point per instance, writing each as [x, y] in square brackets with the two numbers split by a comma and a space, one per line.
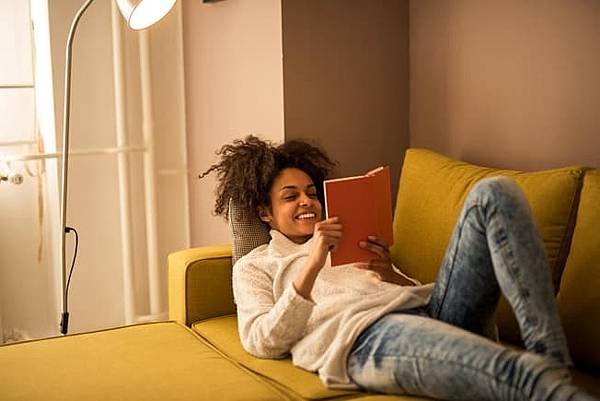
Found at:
[264, 213]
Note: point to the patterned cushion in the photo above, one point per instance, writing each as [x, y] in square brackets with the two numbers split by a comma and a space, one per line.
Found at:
[247, 232]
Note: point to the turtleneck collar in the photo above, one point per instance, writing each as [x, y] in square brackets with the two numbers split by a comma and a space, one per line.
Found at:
[285, 245]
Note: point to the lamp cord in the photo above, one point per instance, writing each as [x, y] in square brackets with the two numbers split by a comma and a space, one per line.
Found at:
[64, 323]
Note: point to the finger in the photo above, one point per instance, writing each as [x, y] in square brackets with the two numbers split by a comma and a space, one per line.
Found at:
[331, 234]
[329, 227]
[376, 249]
[331, 220]
[382, 250]
[378, 241]
[375, 245]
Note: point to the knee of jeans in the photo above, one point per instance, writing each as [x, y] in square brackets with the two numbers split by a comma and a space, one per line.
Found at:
[500, 192]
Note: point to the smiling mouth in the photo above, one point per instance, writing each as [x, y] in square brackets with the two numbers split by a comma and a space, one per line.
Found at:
[306, 216]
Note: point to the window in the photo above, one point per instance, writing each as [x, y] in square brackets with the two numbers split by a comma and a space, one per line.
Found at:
[17, 87]
[27, 277]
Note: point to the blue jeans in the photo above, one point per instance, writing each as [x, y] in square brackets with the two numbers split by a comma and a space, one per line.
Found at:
[441, 350]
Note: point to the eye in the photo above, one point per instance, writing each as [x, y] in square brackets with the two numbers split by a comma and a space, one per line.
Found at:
[290, 197]
[312, 195]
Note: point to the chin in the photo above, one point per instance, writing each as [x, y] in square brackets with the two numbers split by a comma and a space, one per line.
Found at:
[306, 231]
[308, 227]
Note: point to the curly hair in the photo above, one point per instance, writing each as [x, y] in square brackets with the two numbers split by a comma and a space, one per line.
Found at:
[248, 167]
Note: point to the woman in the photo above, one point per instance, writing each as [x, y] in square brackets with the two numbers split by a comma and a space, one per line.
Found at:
[368, 325]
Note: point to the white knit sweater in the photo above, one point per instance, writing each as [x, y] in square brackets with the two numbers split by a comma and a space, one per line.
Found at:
[274, 320]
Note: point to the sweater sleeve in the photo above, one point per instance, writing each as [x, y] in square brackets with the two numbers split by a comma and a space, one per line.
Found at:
[268, 328]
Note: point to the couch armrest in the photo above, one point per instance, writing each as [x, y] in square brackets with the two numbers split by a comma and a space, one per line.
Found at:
[200, 284]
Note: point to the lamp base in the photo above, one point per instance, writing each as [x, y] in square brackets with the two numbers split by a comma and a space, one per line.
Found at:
[64, 323]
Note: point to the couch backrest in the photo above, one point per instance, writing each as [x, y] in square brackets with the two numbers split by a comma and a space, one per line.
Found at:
[579, 296]
[431, 193]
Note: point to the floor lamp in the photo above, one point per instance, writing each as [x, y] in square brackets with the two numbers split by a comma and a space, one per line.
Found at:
[139, 14]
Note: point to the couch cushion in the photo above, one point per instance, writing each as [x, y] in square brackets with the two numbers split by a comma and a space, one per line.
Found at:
[579, 296]
[223, 334]
[589, 380]
[159, 361]
[431, 194]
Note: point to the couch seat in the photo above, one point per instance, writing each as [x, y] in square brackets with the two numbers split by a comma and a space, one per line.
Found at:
[297, 383]
[156, 361]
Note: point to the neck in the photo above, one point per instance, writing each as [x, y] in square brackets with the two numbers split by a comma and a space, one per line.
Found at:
[300, 240]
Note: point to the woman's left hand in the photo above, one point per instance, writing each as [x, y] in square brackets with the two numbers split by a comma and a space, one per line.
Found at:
[382, 264]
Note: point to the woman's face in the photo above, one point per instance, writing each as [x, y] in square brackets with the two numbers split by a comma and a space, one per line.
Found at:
[295, 207]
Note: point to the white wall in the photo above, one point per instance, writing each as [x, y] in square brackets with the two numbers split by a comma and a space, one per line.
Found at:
[30, 292]
[96, 294]
[234, 86]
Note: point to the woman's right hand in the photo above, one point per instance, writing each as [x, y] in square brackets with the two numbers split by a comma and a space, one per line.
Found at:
[326, 236]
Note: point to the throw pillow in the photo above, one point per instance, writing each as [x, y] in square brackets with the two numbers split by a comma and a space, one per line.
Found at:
[431, 194]
[247, 232]
[579, 296]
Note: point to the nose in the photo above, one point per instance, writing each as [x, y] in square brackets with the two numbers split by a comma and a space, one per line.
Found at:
[305, 200]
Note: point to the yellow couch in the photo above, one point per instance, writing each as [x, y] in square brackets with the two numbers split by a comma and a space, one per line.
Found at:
[199, 356]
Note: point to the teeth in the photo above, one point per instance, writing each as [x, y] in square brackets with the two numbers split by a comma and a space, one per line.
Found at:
[306, 216]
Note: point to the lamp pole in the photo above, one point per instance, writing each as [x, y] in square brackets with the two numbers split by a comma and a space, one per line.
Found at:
[139, 14]
[64, 321]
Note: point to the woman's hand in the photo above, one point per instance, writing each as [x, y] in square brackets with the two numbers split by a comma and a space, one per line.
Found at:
[382, 264]
[326, 236]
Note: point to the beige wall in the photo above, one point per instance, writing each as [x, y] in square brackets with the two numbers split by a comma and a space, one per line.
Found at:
[234, 86]
[506, 83]
[346, 79]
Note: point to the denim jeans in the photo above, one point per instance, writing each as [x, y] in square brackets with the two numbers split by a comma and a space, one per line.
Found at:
[441, 350]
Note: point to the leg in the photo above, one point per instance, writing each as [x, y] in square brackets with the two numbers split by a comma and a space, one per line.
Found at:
[410, 354]
[496, 246]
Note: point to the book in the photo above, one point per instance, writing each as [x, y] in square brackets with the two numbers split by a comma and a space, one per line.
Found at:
[364, 207]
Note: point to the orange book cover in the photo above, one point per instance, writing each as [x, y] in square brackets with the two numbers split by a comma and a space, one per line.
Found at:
[364, 207]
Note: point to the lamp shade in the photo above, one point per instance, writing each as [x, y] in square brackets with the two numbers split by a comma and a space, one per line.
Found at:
[141, 14]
